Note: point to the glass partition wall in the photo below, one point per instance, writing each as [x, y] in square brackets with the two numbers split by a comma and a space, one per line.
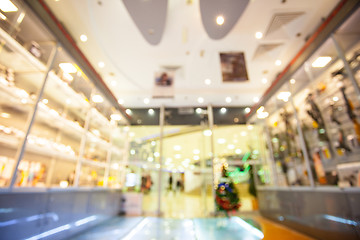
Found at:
[56, 129]
[184, 163]
[312, 121]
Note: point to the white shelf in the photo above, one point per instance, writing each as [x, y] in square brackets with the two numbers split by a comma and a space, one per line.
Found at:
[104, 144]
[13, 142]
[94, 163]
[12, 58]
[53, 119]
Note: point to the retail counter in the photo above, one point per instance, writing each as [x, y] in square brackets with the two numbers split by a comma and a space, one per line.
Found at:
[322, 212]
[54, 213]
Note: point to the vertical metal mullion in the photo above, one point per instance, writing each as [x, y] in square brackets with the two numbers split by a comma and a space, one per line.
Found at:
[20, 151]
[82, 147]
[125, 158]
[271, 151]
[162, 122]
[203, 174]
[108, 161]
[211, 127]
[302, 142]
[347, 67]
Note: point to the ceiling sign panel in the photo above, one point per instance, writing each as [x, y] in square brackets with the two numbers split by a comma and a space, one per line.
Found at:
[219, 17]
[149, 16]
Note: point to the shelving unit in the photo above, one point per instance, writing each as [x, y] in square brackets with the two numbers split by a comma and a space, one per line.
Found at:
[330, 136]
[67, 124]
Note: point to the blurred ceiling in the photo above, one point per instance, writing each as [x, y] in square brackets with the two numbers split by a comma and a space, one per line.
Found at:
[128, 42]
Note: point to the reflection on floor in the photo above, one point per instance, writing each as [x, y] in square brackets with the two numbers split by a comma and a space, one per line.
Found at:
[190, 216]
[182, 205]
[151, 228]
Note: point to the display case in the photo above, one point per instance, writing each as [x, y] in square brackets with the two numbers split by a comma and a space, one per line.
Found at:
[313, 120]
[56, 128]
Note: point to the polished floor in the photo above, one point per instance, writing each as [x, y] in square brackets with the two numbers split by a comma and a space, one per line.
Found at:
[181, 205]
[153, 228]
[190, 216]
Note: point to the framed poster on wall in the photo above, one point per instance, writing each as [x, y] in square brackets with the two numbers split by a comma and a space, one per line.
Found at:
[233, 67]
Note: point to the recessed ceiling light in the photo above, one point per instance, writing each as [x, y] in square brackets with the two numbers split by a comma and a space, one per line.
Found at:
[196, 157]
[277, 62]
[5, 115]
[284, 96]
[150, 159]
[151, 111]
[101, 64]
[231, 146]
[115, 117]
[223, 110]
[113, 83]
[228, 99]
[121, 101]
[177, 147]
[238, 151]
[146, 100]
[250, 127]
[207, 81]
[7, 6]
[200, 100]
[258, 35]
[68, 67]
[292, 81]
[68, 101]
[83, 38]
[198, 110]
[128, 111]
[207, 133]
[321, 62]
[220, 20]
[196, 151]
[45, 101]
[264, 80]
[156, 154]
[262, 115]
[221, 141]
[177, 156]
[247, 110]
[335, 99]
[97, 98]
[243, 133]
[256, 99]
[260, 109]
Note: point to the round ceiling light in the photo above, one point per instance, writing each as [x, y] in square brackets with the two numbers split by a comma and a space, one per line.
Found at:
[101, 64]
[83, 38]
[220, 20]
[258, 35]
